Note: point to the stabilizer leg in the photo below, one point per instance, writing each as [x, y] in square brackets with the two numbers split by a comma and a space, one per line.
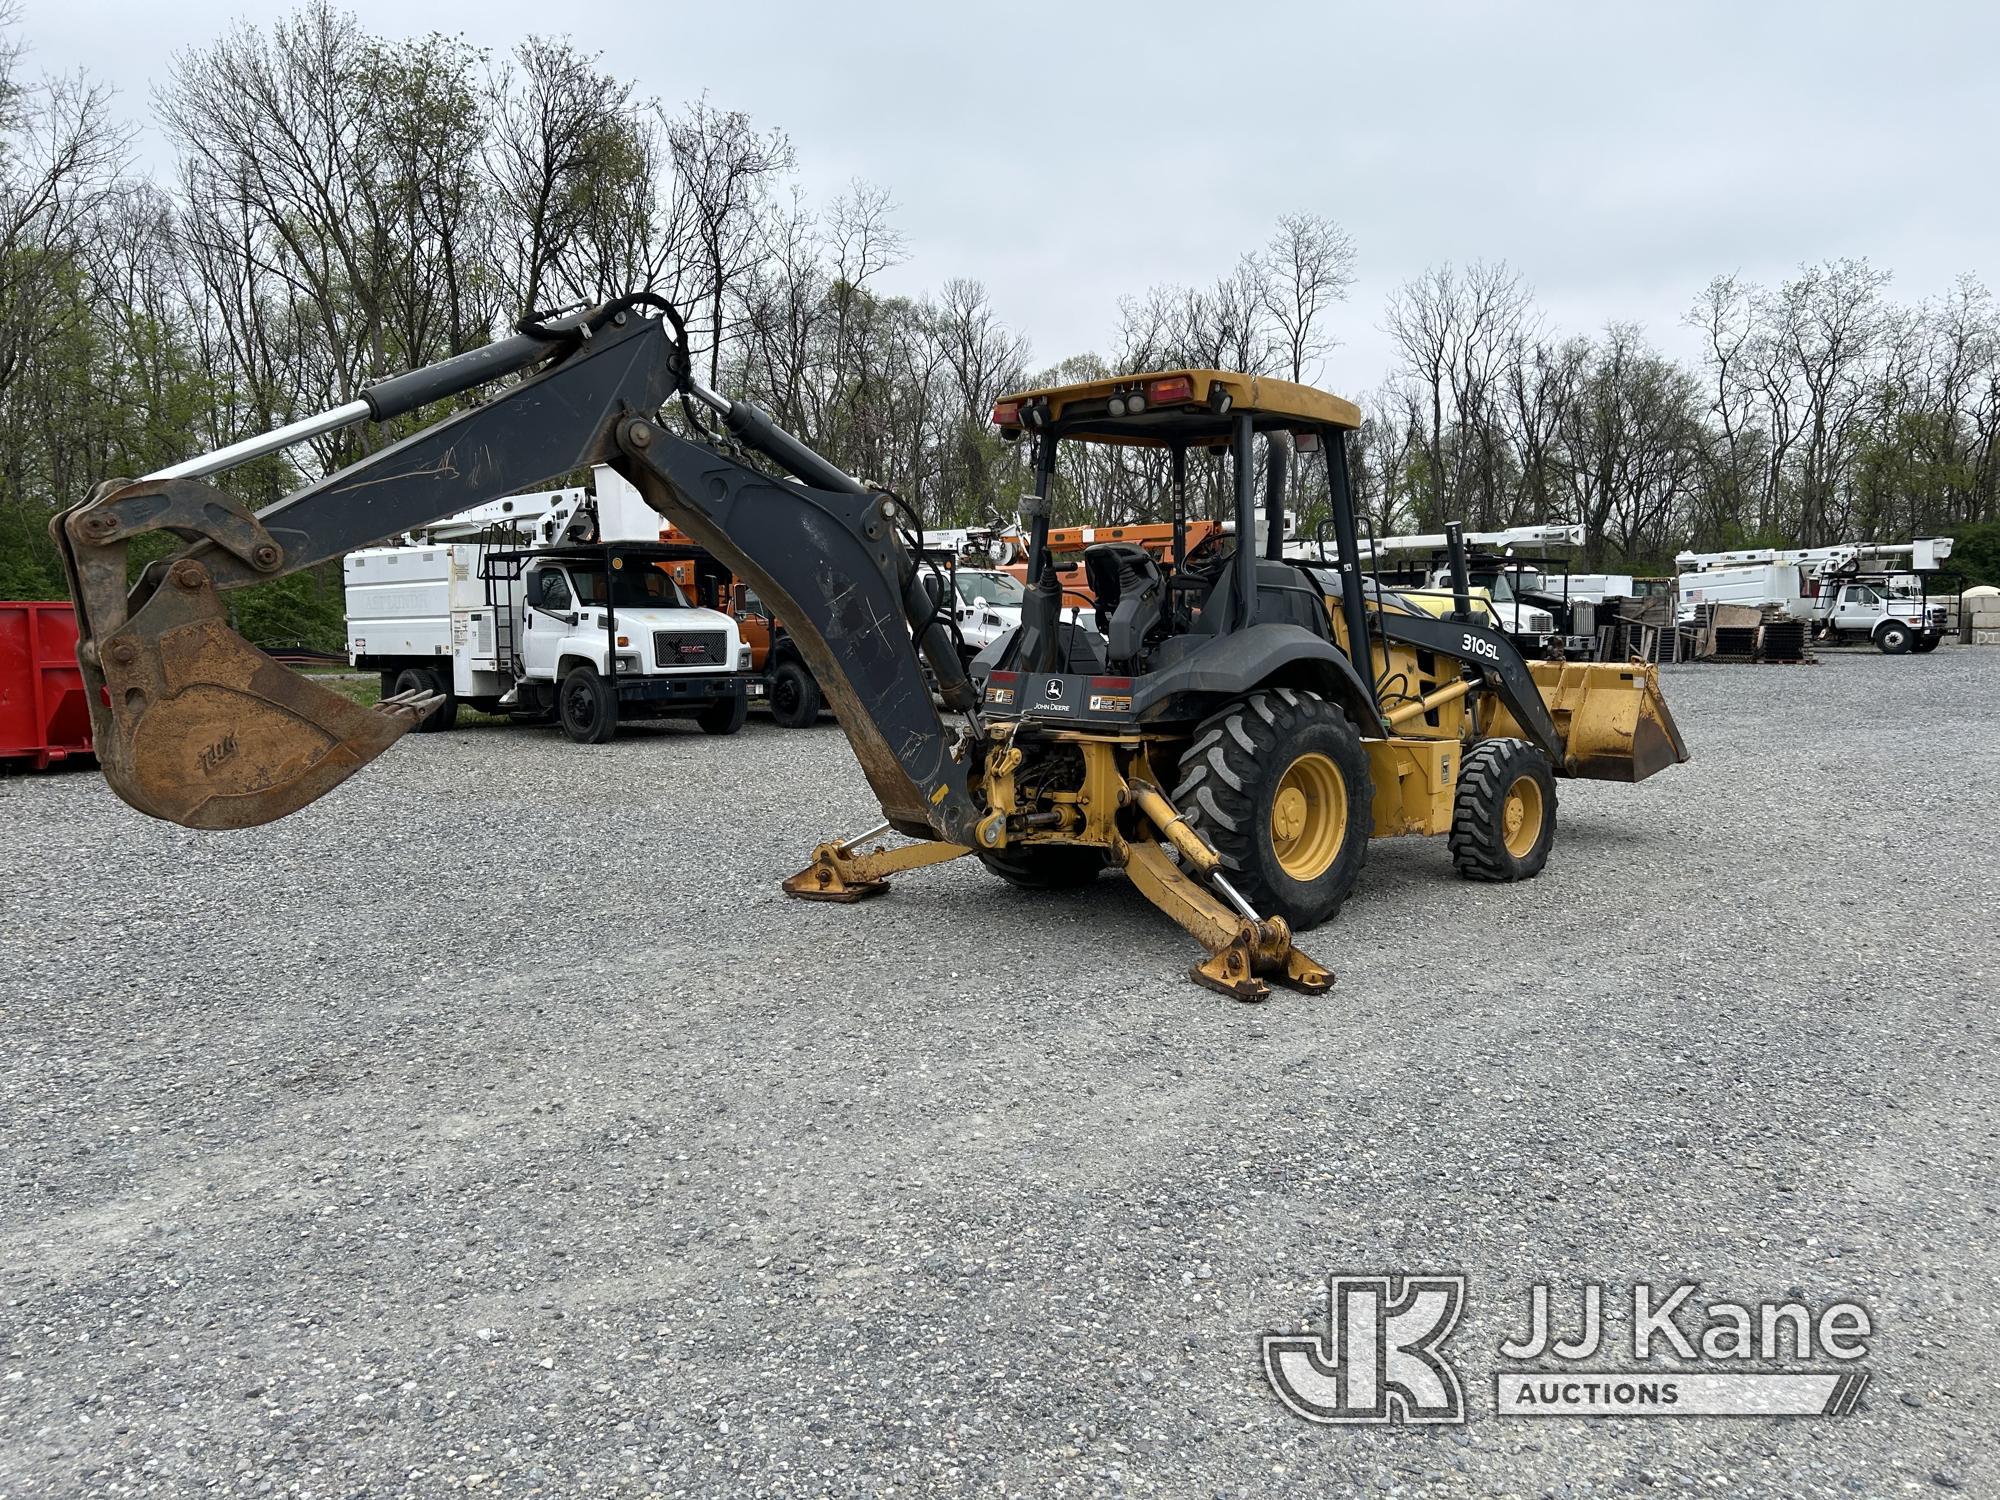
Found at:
[1245, 956]
[837, 873]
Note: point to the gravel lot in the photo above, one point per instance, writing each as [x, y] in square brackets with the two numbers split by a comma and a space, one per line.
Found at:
[496, 1124]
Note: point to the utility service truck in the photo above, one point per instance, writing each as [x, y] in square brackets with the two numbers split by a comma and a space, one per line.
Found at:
[1855, 591]
[547, 606]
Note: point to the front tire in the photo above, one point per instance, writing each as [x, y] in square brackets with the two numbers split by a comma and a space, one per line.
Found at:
[725, 716]
[1893, 639]
[1278, 785]
[1925, 643]
[795, 697]
[424, 680]
[587, 705]
[1503, 816]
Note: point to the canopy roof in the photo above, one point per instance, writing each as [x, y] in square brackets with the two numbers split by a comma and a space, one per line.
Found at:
[1194, 411]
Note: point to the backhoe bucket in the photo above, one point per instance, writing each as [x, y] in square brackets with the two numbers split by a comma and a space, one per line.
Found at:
[195, 725]
[1615, 725]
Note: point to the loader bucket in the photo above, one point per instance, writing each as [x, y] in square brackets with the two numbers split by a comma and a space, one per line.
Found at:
[195, 725]
[1614, 724]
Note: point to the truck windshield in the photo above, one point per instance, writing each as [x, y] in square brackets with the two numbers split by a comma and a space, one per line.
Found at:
[991, 588]
[1503, 583]
[634, 586]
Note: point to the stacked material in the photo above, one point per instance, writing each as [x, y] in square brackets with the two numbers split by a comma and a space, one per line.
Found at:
[1641, 628]
[1733, 643]
[1979, 616]
[1782, 638]
[1747, 633]
[1728, 632]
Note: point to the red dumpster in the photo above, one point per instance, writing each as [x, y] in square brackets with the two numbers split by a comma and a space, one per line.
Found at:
[43, 715]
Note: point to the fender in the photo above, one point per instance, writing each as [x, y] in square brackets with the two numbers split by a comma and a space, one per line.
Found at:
[1229, 666]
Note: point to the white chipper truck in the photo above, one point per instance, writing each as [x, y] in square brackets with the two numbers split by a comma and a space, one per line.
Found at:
[545, 606]
[1856, 591]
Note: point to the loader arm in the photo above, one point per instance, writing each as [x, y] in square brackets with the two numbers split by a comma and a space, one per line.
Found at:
[194, 725]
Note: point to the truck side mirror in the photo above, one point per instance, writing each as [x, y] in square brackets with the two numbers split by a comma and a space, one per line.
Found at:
[739, 599]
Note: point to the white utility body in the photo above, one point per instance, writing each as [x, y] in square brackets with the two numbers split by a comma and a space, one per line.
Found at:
[549, 603]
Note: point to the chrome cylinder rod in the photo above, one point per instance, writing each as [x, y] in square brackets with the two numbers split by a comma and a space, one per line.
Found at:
[1235, 896]
[861, 838]
[269, 442]
[708, 398]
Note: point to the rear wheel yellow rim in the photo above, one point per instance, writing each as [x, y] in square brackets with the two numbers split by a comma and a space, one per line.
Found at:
[1521, 816]
[1309, 817]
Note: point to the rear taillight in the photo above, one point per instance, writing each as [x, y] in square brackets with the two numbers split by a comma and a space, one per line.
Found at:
[1007, 414]
[1111, 684]
[1173, 388]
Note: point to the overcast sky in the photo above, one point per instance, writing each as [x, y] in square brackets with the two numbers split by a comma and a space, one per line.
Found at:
[1618, 155]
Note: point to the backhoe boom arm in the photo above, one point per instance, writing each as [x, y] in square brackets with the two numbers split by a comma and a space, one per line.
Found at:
[194, 725]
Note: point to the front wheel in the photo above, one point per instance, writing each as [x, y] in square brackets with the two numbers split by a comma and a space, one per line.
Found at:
[424, 680]
[1894, 638]
[1925, 643]
[725, 715]
[587, 705]
[795, 697]
[1278, 785]
[1503, 816]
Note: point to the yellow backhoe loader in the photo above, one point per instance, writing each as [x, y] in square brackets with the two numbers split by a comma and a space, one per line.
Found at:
[1230, 733]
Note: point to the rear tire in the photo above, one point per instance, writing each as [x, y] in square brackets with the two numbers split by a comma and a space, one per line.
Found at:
[795, 697]
[587, 706]
[1893, 639]
[1278, 785]
[725, 716]
[1045, 867]
[1503, 816]
[426, 680]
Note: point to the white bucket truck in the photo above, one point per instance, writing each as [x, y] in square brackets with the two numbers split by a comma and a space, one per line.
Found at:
[547, 606]
[1856, 591]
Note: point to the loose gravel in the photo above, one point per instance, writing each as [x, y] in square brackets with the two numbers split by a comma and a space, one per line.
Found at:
[495, 1124]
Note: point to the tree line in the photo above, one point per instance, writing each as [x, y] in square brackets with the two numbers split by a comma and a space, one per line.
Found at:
[343, 205]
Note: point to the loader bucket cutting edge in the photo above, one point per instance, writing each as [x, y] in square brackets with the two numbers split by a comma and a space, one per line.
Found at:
[195, 725]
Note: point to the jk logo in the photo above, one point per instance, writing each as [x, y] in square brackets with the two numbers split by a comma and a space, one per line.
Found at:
[1378, 1360]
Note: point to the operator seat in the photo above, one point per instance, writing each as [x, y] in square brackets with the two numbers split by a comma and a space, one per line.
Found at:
[1131, 595]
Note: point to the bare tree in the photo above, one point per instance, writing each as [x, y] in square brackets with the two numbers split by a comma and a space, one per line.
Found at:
[1455, 333]
[61, 163]
[576, 157]
[1308, 267]
[726, 169]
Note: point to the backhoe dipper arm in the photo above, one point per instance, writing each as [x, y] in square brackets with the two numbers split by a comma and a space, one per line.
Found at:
[194, 725]
[829, 563]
